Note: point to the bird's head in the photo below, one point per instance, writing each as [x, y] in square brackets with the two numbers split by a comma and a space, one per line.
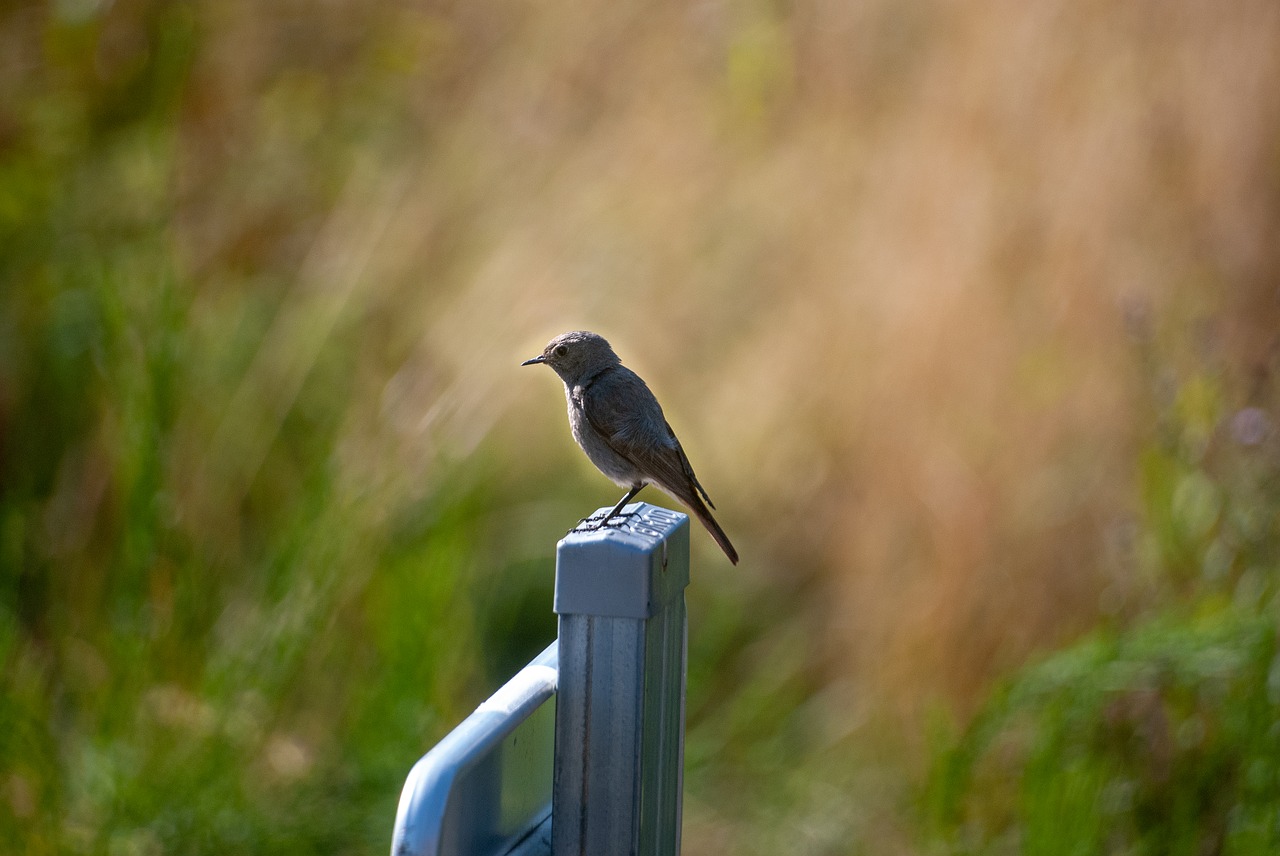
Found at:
[576, 355]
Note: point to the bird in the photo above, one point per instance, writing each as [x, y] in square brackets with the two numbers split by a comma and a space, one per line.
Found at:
[620, 426]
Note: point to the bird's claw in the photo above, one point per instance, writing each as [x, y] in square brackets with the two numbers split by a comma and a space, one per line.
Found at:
[600, 522]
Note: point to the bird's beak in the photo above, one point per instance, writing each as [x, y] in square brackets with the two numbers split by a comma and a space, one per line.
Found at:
[538, 359]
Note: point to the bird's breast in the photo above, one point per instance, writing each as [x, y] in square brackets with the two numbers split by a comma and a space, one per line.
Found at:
[597, 447]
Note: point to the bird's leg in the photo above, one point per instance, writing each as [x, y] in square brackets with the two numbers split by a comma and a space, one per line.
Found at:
[616, 509]
[635, 488]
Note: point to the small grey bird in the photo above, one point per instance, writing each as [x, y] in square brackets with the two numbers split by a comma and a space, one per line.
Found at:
[619, 424]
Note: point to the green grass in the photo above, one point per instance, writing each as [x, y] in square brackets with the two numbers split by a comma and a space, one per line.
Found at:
[1158, 734]
[211, 644]
[1160, 739]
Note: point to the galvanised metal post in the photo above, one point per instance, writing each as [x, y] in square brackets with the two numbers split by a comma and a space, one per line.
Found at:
[619, 759]
[485, 789]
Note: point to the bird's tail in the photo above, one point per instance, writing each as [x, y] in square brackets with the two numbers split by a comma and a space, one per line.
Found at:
[703, 514]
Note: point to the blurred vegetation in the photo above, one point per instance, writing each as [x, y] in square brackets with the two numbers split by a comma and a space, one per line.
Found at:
[967, 314]
[1157, 735]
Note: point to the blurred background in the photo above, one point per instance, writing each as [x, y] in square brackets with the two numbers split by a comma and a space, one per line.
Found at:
[968, 314]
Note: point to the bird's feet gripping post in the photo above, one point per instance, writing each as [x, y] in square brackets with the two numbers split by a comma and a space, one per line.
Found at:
[615, 513]
[595, 523]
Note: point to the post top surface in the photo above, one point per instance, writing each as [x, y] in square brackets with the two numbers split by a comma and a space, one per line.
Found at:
[630, 568]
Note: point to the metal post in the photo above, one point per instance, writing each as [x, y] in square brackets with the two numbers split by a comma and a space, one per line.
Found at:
[620, 704]
[485, 789]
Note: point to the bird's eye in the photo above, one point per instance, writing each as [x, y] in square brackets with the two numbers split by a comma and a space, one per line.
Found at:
[561, 350]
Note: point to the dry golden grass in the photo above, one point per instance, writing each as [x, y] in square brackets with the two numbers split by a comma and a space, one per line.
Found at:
[894, 269]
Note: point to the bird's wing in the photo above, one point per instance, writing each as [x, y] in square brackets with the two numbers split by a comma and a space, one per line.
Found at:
[624, 412]
[688, 467]
[621, 409]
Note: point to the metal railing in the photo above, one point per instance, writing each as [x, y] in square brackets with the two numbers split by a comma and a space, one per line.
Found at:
[599, 771]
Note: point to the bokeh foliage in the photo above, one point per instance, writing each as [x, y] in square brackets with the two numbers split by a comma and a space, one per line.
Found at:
[965, 312]
[1157, 735]
[199, 655]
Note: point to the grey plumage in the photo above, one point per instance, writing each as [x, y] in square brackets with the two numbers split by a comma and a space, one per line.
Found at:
[619, 424]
